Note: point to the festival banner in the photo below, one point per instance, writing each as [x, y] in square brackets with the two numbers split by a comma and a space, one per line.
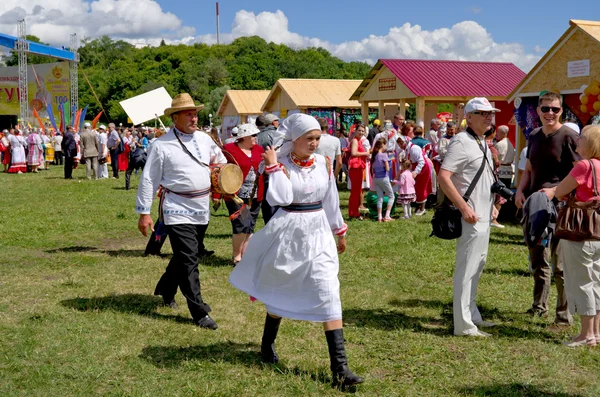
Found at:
[54, 83]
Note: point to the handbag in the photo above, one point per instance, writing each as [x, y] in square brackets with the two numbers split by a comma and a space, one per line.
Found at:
[447, 219]
[578, 220]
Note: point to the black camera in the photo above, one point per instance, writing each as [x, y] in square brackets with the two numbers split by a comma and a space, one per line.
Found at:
[500, 188]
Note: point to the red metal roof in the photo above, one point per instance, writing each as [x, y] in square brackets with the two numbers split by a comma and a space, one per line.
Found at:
[433, 78]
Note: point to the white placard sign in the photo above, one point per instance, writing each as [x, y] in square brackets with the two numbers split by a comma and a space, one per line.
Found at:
[578, 68]
[146, 106]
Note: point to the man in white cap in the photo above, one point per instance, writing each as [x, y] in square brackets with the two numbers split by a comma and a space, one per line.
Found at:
[178, 163]
[464, 160]
[102, 153]
[233, 139]
[89, 150]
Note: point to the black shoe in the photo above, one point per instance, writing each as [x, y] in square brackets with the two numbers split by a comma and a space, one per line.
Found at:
[207, 322]
[343, 378]
[205, 254]
[267, 347]
[172, 304]
[536, 313]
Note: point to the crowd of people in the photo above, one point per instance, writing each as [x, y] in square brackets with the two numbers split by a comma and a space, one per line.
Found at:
[290, 172]
[33, 149]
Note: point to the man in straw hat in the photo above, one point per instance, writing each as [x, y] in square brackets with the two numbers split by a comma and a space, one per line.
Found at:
[178, 163]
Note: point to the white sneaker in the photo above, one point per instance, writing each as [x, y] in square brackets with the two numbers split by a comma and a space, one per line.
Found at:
[478, 333]
[494, 224]
[420, 212]
[485, 324]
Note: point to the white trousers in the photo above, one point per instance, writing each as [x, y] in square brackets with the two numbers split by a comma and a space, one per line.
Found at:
[581, 261]
[103, 170]
[471, 254]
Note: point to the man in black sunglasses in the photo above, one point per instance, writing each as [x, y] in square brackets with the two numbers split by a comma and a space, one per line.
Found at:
[550, 157]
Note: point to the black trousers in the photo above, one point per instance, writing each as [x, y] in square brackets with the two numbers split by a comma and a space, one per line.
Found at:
[58, 158]
[133, 165]
[267, 210]
[187, 242]
[69, 162]
[114, 162]
[154, 245]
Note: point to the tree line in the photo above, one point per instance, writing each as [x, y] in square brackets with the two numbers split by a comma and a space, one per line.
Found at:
[118, 70]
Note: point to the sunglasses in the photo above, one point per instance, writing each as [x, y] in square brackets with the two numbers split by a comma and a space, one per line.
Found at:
[485, 114]
[546, 109]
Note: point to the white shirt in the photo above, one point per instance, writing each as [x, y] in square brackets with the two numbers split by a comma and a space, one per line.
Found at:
[57, 141]
[168, 165]
[463, 159]
[523, 159]
[432, 137]
[329, 146]
[506, 155]
[102, 145]
[390, 137]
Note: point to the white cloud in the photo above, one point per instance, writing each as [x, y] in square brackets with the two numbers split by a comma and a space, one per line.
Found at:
[466, 40]
[474, 10]
[143, 22]
[133, 20]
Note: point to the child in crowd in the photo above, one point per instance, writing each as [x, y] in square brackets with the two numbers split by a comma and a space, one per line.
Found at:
[406, 188]
[380, 168]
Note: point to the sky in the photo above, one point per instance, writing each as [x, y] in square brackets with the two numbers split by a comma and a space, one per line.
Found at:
[517, 31]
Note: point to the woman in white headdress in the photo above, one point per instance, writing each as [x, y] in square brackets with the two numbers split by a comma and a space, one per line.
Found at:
[291, 265]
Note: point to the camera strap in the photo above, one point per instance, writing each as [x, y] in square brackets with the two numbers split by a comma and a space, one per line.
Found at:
[480, 171]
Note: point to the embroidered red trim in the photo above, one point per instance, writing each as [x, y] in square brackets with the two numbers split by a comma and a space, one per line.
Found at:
[302, 162]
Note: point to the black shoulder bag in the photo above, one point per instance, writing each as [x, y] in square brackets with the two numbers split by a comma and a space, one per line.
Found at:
[446, 222]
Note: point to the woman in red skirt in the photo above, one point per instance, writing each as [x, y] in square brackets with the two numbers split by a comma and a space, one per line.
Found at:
[356, 168]
[422, 168]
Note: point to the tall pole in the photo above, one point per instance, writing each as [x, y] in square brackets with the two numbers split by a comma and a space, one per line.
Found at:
[22, 49]
[74, 77]
[218, 26]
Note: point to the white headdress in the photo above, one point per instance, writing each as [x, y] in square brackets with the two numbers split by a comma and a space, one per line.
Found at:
[292, 128]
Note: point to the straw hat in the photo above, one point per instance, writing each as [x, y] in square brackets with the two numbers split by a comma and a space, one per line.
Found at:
[182, 102]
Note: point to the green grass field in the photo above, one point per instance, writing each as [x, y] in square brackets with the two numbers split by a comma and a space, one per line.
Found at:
[77, 315]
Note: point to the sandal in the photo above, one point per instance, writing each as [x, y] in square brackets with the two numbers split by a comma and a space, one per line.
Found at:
[388, 219]
[234, 262]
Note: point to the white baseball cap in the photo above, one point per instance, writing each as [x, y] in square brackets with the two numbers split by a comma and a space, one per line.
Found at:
[102, 127]
[234, 131]
[86, 124]
[481, 104]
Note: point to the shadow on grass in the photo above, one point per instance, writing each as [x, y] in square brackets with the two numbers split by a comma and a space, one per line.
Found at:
[512, 390]
[229, 352]
[441, 325]
[508, 272]
[127, 253]
[507, 239]
[144, 305]
[72, 249]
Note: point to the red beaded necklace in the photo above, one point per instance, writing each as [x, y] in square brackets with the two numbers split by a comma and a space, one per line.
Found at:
[302, 162]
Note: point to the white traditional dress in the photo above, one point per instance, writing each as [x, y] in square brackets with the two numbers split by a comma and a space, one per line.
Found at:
[34, 143]
[77, 143]
[17, 153]
[291, 265]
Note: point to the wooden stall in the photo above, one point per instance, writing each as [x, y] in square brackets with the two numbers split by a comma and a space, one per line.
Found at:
[427, 83]
[240, 106]
[571, 67]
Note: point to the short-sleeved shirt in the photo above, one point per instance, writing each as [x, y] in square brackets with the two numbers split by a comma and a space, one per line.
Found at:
[551, 157]
[329, 146]
[582, 173]
[379, 165]
[463, 159]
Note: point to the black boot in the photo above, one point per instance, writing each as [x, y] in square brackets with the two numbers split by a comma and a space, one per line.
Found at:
[342, 376]
[267, 347]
